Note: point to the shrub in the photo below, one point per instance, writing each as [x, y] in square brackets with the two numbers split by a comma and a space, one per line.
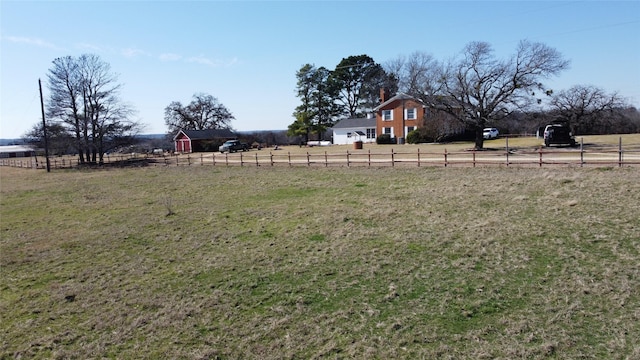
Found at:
[385, 139]
[419, 135]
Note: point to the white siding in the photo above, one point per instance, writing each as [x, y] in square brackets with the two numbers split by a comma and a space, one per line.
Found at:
[340, 136]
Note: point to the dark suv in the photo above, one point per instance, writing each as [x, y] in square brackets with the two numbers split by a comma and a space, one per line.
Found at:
[233, 146]
[558, 133]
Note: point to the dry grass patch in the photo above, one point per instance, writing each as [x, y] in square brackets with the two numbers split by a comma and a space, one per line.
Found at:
[314, 263]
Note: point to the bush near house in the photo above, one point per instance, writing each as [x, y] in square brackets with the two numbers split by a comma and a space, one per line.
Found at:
[418, 136]
[385, 139]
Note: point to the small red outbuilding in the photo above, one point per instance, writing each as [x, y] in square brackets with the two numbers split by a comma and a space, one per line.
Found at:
[187, 141]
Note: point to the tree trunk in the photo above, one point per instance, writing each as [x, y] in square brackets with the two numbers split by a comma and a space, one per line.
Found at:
[87, 146]
[79, 141]
[79, 148]
[100, 151]
[479, 138]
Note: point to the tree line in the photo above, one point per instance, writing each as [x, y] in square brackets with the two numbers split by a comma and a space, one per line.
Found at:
[476, 88]
[85, 114]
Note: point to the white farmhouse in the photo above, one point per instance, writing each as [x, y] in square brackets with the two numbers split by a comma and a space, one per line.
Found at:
[346, 131]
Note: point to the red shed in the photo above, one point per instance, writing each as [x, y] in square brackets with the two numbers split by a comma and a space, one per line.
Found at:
[187, 141]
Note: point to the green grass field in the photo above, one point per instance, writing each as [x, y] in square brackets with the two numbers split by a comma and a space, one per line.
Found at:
[304, 263]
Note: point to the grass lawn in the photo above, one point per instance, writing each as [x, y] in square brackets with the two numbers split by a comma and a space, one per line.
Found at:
[302, 263]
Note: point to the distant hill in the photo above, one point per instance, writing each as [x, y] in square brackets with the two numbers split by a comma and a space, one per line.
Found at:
[5, 142]
[151, 136]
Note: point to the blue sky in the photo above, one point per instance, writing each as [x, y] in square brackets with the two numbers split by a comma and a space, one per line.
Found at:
[246, 54]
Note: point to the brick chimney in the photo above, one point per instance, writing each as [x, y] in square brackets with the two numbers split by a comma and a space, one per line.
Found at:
[383, 95]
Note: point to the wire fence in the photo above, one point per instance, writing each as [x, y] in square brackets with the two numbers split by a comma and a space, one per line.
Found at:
[600, 155]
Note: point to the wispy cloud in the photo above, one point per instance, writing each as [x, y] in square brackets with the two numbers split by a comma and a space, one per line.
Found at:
[90, 47]
[231, 62]
[211, 62]
[170, 57]
[203, 61]
[31, 41]
[133, 52]
[174, 57]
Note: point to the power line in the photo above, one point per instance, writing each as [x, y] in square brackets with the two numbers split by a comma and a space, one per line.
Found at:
[592, 28]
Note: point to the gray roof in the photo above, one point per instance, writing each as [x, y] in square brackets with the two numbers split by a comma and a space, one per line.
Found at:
[355, 123]
[208, 134]
[398, 96]
[16, 148]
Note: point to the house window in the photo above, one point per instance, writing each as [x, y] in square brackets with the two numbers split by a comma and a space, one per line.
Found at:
[371, 133]
[387, 130]
[410, 114]
[410, 129]
[387, 115]
[348, 134]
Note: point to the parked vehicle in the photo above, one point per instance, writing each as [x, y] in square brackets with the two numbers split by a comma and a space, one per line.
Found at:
[490, 133]
[233, 146]
[558, 133]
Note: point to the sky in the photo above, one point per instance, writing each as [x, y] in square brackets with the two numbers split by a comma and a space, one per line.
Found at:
[246, 53]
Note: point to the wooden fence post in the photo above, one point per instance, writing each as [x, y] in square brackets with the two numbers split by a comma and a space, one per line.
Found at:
[308, 159]
[418, 157]
[257, 163]
[474, 156]
[271, 156]
[620, 151]
[241, 159]
[540, 152]
[445, 158]
[507, 145]
[326, 163]
[393, 160]
[369, 155]
[347, 158]
[581, 152]
[289, 156]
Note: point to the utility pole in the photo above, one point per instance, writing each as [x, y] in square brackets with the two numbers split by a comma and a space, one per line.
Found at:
[44, 129]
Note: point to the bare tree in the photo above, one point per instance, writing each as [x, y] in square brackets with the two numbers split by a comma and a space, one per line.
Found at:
[479, 88]
[65, 101]
[631, 121]
[589, 109]
[202, 113]
[107, 117]
[417, 75]
[84, 97]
